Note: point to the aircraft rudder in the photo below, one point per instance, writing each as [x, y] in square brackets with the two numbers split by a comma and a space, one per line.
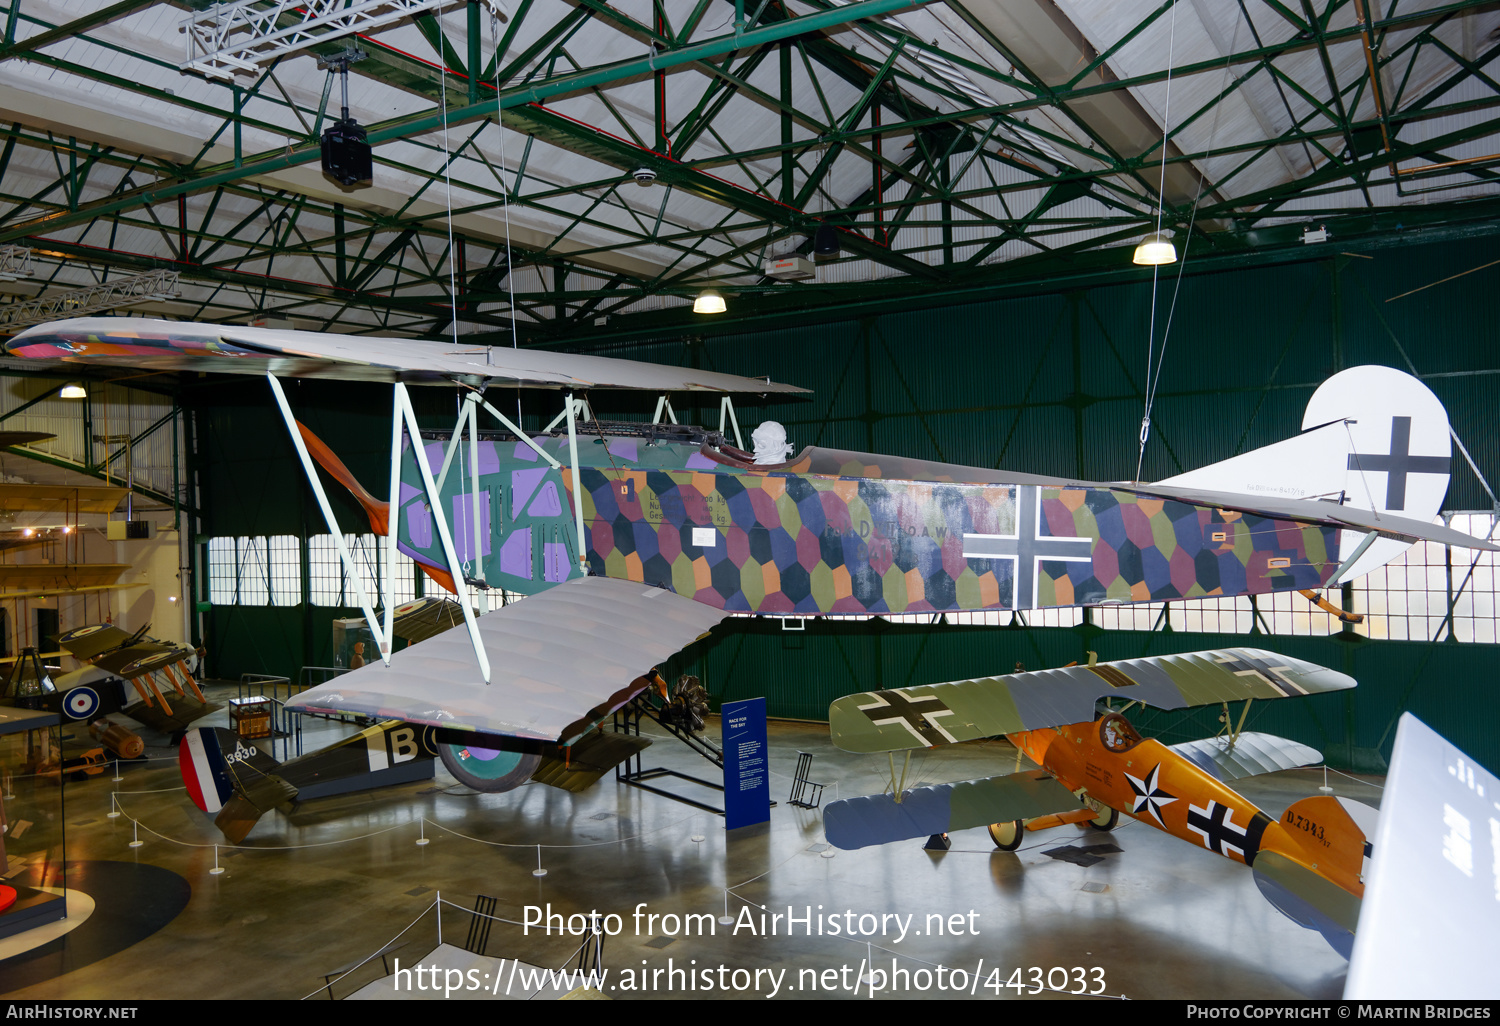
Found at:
[1311, 865]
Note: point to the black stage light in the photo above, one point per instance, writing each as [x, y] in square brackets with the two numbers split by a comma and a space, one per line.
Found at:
[826, 242]
[346, 154]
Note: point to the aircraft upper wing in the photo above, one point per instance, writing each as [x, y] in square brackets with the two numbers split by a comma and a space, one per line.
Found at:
[231, 349]
[93, 640]
[561, 661]
[920, 717]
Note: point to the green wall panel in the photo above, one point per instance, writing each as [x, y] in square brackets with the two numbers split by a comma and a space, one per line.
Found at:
[801, 672]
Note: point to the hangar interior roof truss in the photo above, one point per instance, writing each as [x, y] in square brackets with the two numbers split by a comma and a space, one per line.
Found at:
[954, 146]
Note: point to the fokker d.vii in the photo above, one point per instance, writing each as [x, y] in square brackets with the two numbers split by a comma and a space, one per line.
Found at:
[1309, 863]
[636, 539]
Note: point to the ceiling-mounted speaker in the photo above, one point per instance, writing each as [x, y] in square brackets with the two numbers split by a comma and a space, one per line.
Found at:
[346, 154]
[826, 242]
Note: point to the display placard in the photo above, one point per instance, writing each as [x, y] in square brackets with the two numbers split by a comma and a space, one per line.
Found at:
[747, 785]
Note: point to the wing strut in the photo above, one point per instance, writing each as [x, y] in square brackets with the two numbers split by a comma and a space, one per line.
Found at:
[404, 412]
[468, 417]
[663, 405]
[401, 416]
[382, 636]
[575, 406]
[726, 409]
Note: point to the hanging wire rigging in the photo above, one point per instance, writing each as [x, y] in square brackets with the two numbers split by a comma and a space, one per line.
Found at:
[1153, 367]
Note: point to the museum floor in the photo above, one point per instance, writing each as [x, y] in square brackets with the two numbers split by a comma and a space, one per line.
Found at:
[300, 899]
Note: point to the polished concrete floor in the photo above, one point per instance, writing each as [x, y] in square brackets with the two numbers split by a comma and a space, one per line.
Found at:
[302, 898]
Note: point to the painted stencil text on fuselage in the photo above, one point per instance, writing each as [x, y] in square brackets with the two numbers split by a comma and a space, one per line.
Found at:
[797, 542]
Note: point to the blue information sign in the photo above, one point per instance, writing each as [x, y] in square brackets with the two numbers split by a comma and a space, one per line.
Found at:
[747, 784]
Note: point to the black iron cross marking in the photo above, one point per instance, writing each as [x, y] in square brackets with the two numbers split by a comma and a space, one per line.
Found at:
[916, 714]
[1398, 463]
[1028, 546]
[1272, 675]
[1221, 836]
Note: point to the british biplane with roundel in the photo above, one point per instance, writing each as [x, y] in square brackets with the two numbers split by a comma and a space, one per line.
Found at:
[1091, 766]
[653, 532]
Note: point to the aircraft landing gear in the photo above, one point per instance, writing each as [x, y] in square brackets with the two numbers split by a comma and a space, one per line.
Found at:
[488, 770]
[1107, 818]
[1007, 836]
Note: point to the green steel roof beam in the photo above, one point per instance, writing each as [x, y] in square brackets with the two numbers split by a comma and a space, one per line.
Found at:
[68, 30]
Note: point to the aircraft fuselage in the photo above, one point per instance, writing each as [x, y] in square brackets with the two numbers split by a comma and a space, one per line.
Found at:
[1113, 765]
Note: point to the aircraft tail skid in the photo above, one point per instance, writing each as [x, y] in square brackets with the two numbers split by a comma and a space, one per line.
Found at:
[1372, 438]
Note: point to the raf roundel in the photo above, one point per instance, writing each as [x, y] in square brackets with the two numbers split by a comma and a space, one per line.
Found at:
[81, 703]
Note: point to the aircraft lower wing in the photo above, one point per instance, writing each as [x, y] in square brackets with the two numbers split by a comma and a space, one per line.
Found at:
[562, 661]
[921, 717]
[923, 811]
[1252, 754]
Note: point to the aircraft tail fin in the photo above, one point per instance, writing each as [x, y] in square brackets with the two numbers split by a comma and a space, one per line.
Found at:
[231, 780]
[1312, 870]
[1372, 437]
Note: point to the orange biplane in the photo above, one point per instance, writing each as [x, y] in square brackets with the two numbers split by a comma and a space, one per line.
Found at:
[1309, 864]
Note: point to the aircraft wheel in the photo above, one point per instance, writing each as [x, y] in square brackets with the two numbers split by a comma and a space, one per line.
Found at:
[487, 769]
[1107, 819]
[1007, 836]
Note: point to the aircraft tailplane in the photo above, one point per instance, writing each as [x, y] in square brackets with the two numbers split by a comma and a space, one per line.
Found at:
[230, 779]
[1312, 870]
[1372, 437]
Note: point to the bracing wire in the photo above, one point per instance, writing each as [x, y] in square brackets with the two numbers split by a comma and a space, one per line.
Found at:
[448, 184]
[1161, 202]
[510, 282]
[1153, 372]
[510, 275]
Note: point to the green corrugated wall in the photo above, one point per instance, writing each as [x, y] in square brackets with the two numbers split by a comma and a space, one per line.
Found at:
[1449, 686]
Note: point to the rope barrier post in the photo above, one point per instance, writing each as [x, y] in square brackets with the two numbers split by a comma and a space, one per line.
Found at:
[1325, 788]
[422, 837]
[439, 907]
[726, 918]
[217, 868]
[135, 833]
[117, 778]
[539, 871]
[114, 806]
